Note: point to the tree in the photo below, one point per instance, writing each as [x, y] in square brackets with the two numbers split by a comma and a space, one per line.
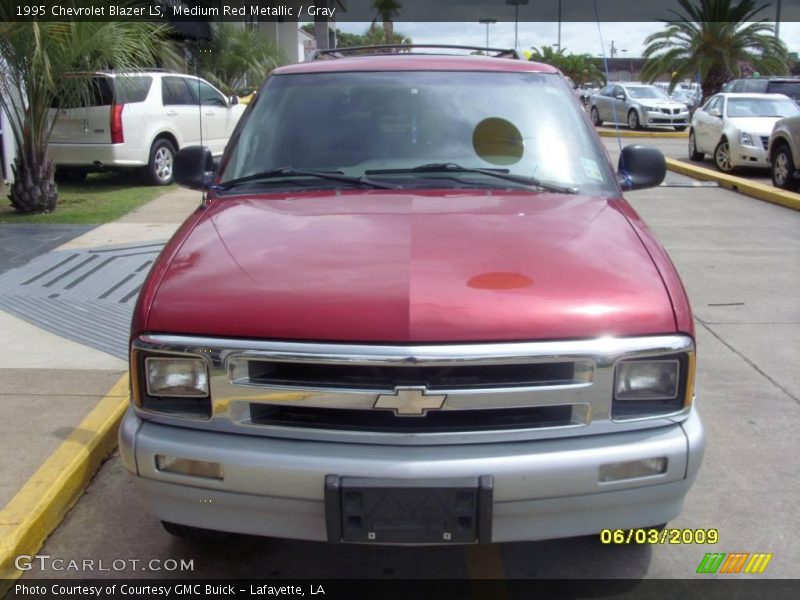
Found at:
[35, 60]
[373, 36]
[238, 57]
[713, 39]
[387, 10]
[579, 67]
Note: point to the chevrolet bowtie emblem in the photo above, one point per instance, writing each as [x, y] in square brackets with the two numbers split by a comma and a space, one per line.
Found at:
[410, 401]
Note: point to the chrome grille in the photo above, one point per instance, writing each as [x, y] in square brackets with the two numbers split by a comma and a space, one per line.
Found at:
[351, 392]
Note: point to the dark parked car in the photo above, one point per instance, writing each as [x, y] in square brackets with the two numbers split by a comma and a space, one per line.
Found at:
[788, 86]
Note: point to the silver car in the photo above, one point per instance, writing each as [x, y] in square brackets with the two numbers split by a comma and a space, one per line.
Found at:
[735, 128]
[638, 105]
[784, 153]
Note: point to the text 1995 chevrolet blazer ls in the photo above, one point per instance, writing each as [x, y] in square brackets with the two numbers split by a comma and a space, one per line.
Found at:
[413, 309]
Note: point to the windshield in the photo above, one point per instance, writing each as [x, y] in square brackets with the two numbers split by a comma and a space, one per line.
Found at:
[646, 91]
[367, 123]
[762, 107]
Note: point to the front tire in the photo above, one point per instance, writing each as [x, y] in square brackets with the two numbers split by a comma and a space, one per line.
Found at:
[160, 165]
[783, 171]
[722, 156]
[633, 120]
[693, 153]
[596, 120]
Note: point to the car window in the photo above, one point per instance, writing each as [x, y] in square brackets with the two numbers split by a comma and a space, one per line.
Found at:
[787, 88]
[174, 91]
[752, 86]
[762, 107]
[715, 102]
[645, 92]
[86, 92]
[357, 122]
[130, 89]
[208, 95]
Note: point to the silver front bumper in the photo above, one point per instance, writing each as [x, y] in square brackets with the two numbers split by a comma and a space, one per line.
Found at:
[542, 489]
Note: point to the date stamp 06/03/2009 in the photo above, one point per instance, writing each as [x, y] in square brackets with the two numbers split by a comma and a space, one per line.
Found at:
[659, 536]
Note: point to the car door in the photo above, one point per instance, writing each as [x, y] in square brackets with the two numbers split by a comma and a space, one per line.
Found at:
[601, 100]
[707, 125]
[617, 106]
[181, 109]
[217, 116]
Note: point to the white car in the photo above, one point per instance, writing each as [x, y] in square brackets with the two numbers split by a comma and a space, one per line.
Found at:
[140, 119]
[735, 128]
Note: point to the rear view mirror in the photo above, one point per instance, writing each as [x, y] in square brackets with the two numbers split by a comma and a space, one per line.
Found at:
[234, 100]
[620, 96]
[641, 167]
[194, 167]
[715, 112]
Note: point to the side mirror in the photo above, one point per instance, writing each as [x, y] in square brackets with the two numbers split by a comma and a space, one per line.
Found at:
[234, 100]
[194, 167]
[620, 96]
[715, 112]
[641, 167]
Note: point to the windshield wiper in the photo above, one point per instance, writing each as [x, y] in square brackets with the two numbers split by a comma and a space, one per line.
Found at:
[498, 173]
[289, 172]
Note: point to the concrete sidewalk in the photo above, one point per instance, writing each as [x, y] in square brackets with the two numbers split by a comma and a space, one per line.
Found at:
[48, 383]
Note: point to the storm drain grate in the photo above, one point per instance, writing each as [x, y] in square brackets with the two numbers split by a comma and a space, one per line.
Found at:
[85, 295]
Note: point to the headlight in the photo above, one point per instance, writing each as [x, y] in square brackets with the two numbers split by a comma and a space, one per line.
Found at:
[176, 377]
[745, 139]
[170, 385]
[650, 108]
[647, 380]
[652, 387]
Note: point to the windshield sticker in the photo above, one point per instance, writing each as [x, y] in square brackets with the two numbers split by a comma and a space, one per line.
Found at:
[591, 169]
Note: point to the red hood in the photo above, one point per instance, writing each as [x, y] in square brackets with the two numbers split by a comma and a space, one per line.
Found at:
[426, 267]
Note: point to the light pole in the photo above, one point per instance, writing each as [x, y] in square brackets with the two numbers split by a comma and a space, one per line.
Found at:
[516, 4]
[778, 20]
[487, 22]
[559, 25]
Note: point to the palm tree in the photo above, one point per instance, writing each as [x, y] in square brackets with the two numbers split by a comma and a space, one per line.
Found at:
[582, 69]
[548, 56]
[238, 57]
[713, 38]
[35, 58]
[387, 10]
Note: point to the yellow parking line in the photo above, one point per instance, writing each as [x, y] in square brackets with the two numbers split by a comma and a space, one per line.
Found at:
[642, 134]
[754, 189]
[485, 565]
[37, 509]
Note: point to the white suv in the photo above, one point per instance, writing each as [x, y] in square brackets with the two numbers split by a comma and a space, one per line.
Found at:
[140, 119]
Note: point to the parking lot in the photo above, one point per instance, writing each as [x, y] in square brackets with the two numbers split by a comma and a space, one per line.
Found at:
[738, 260]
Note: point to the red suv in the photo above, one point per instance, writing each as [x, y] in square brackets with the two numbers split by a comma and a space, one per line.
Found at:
[413, 308]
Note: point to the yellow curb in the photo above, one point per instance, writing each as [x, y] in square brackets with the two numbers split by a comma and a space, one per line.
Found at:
[37, 509]
[757, 190]
[627, 133]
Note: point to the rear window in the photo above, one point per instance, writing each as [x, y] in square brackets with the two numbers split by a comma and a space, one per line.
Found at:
[787, 88]
[102, 91]
[752, 86]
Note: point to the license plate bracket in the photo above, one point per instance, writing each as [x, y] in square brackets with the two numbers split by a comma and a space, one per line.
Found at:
[408, 511]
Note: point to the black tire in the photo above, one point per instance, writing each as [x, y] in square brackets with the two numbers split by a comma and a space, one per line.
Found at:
[194, 533]
[70, 174]
[722, 156]
[680, 127]
[782, 169]
[693, 153]
[633, 120]
[161, 163]
[596, 120]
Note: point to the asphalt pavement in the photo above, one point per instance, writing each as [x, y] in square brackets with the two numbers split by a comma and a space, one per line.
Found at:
[738, 260]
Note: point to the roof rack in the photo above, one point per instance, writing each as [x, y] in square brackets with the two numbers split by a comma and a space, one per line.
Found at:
[406, 49]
